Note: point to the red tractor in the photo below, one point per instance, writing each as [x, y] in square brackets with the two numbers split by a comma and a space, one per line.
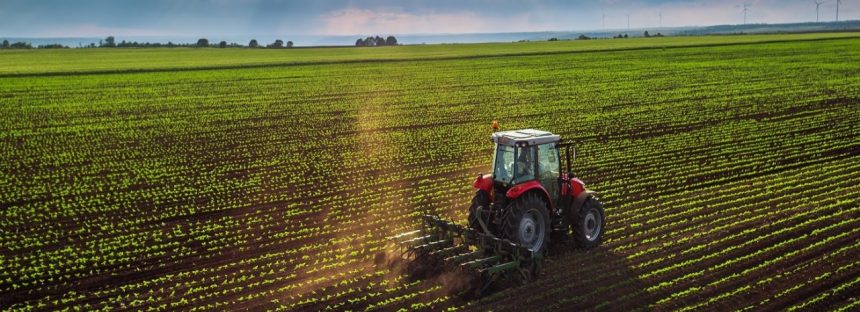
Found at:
[518, 209]
[528, 199]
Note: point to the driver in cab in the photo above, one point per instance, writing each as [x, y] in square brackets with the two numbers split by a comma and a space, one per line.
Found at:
[525, 165]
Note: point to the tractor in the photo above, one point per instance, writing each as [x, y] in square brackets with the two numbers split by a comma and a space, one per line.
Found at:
[528, 199]
[523, 205]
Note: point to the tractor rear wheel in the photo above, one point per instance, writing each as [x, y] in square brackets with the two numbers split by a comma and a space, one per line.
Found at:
[481, 199]
[527, 223]
[588, 223]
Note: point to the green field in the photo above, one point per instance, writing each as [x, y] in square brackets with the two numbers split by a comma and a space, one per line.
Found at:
[210, 179]
[49, 61]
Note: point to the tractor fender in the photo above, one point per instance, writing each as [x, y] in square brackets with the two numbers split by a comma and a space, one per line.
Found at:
[580, 199]
[573, 188]
[530, 186]
[484, 182]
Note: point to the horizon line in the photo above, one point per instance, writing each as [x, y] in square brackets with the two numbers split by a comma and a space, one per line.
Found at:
[427, 34]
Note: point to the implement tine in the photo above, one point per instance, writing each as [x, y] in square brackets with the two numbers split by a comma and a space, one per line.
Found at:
[432, 245]
[501, 267]
[447, 251]
[481, 262]
[397, 237]
[416, 240]
[463, 256]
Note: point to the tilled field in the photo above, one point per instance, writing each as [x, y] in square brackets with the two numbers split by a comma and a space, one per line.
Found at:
[730, 176]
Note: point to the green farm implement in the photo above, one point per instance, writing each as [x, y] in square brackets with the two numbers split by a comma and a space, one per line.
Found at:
[481, 257]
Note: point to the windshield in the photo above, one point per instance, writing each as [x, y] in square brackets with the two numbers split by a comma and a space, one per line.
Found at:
[503, 167]
[506, 170]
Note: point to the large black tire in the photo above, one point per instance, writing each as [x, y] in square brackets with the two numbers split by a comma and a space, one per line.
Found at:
[588, 223]
[527, 223]
[481, 199]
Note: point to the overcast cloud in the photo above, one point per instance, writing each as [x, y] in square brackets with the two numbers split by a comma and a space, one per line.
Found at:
[62, 18]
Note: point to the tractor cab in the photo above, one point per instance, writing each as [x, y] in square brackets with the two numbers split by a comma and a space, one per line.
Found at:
[527, 155]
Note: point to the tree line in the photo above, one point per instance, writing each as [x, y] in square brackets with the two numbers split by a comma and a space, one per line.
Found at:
[26, 45]
[110, 42]
[376, 41]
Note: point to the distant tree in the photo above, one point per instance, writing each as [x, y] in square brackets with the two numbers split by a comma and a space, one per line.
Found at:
[202, 42]
[553, 39]
[375, 41]
[583, 37]
[289, 44]
[625, 35]
[222, 44]
[659, 35]
[647, 34]
[253, 43]
[5, 44]
[53, 46]
[21, 45]
[109, 42]
[277, 44]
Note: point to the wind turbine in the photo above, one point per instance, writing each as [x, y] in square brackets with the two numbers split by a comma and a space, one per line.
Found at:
[817, 5]
[838, 2]
[747, 8]
[661, 19]
[604, 21]
[628, 20]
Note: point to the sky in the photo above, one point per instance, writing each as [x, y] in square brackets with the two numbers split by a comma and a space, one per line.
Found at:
[98, 18]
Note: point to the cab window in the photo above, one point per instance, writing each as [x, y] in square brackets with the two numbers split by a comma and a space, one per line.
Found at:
[548, 161]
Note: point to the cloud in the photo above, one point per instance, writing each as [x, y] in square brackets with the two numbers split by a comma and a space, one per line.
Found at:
[351, 17]
[389, 20]
[703, 13]
[95, 30]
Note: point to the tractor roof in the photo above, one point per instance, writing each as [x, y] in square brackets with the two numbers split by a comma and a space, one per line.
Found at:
[524, 137]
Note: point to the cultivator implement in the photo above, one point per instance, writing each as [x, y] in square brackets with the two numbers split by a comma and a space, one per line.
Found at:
[480, 257]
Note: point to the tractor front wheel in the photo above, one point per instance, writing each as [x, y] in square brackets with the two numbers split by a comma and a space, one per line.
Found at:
[527, 223]
[588, 223]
